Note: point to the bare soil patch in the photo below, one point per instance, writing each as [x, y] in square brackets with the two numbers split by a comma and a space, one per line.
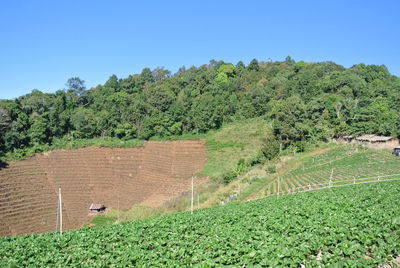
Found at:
[120, 178]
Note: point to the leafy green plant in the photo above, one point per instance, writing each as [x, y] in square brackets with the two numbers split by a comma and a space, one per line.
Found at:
[270, 147]
[240, 167]
[353, 226]
[229, 177]
[271, 169]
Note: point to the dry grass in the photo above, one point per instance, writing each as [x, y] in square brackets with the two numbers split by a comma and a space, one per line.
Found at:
[239, 140]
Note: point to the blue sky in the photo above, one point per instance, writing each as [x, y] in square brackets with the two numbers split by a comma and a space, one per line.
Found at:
[43, 43]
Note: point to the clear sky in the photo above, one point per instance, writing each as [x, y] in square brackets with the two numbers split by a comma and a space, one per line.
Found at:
[43, 43]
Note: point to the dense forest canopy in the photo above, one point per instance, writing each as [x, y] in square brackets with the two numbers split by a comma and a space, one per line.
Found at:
[304, 101]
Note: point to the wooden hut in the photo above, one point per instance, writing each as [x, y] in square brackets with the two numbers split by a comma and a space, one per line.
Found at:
[97, 208]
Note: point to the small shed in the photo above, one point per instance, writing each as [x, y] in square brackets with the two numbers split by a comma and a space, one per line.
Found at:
[97, 208]
[377, 142]
[348, 138]
[373, 138]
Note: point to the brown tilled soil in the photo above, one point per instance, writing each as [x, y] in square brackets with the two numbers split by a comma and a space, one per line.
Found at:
[117, 177]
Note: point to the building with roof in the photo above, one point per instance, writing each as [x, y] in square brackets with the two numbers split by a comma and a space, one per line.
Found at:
[373, 138]
[97, 208]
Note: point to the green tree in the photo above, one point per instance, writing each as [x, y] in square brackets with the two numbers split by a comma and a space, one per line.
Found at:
[253, 66]
[270, 147]
[76, 85]
[39, 131]
[291, 124]
[112, 82]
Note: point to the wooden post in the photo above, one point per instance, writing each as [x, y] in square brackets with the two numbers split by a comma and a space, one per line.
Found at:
[330, 179]
[60, 208]
[279, 185]
[191, 203]
[58, 214]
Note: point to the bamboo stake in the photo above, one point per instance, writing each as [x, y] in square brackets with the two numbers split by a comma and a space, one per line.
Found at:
[58, 213]
[60, 203]
[118, 210]
[191, 203]
[330, 178]
[279, 185]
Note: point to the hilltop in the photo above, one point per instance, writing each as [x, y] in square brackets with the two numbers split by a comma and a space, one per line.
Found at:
[303, 101]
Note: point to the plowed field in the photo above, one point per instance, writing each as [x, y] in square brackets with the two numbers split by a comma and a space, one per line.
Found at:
[117, 177]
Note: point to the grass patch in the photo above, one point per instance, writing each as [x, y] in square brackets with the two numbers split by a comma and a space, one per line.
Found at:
[103, 220]
[227, 145]
[239, 140]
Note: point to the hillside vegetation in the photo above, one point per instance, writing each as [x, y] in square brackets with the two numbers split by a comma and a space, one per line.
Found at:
[226, 147]
[302, 101]
[236, 141]
[319, 164]
[335, 163]
[356, 226]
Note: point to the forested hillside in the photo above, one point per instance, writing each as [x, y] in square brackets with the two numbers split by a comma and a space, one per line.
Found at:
[304, 101]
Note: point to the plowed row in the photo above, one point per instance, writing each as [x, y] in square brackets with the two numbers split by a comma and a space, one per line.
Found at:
[117, 177]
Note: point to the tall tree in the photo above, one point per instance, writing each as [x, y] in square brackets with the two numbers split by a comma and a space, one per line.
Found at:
[253, 66]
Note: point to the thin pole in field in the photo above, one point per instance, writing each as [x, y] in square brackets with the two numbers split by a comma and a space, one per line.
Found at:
[118, 209]
[279, 186]
[330, 178]
[58, 213]
[191, 203]
[60, 207]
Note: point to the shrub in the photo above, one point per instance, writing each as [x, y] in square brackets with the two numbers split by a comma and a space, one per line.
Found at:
[240, 167]
[270, 147]
[259, 158]
[271, 169]
[229, 177]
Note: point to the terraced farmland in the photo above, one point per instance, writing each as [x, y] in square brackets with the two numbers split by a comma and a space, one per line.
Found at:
[356, 226]
[117, 177]
[338, 164]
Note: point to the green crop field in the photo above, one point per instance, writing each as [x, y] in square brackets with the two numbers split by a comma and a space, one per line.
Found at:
[337, 163]
[354, 226]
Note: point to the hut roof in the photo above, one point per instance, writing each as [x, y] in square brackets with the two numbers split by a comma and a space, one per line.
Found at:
[373, 138]
[348, 137]
[96, 206]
